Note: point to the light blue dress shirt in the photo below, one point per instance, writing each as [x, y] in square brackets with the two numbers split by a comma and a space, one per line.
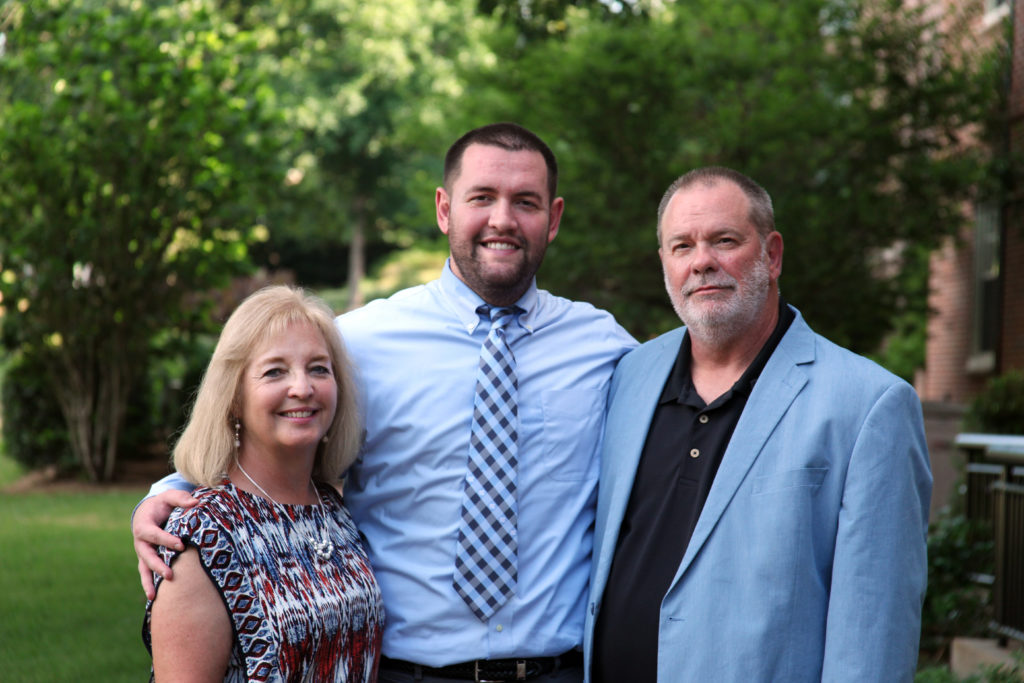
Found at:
[416, 357]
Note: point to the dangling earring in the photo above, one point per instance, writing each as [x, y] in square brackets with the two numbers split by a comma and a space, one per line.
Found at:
[238, 440]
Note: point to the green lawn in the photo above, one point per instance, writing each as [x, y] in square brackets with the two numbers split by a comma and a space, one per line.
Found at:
[70, 601]
[10, 471]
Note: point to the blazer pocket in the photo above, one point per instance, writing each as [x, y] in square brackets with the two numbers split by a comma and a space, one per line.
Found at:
[804, 478]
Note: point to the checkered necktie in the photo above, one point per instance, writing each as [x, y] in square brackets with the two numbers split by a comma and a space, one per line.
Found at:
[485, 558]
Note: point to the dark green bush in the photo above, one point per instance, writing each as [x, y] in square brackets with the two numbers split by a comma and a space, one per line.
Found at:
[34, 432]
[999, 409]
[955, 604]
[176, 367]
[1004, 673]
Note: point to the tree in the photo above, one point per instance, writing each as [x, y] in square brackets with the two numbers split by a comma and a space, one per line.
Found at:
[137, 153]
[358, 80]
[854, 115]
[543, 19]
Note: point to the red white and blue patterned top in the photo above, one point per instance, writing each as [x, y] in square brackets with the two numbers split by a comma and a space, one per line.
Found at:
[295, 618]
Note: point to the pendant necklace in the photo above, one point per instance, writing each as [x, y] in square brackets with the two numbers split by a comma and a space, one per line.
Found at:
[323, 548]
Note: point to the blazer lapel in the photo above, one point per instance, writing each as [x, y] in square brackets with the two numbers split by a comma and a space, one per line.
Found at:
[775, 390]
[626, 431]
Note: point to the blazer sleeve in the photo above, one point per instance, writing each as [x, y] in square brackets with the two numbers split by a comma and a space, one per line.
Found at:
[879, 571]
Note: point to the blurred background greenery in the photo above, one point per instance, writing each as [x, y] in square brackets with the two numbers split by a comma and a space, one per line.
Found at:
[161, 159]
[158, 160]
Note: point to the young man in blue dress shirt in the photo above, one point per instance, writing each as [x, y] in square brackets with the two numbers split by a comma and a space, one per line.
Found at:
[416, 355]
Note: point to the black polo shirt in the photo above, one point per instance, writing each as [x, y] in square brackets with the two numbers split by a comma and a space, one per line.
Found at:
[684, 447]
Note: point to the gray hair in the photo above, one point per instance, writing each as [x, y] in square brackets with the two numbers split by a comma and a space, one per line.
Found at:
[762, 216]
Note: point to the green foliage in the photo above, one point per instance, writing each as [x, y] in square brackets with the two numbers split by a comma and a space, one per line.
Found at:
[172, 379]
[138, 152]
[34, 431]
[146, 147]
[1002, 673]
[955, 605]
[10, 471]
[62, 623]
[999, 408]
[936, 674]
[358, 82]
[405, 269]
[402, 269]
[542, 19]
[903, 350]
[844, 111]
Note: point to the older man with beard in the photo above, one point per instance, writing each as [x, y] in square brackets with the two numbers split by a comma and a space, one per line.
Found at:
[764, 493]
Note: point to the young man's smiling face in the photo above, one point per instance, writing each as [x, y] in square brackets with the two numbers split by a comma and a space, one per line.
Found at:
[499, 220]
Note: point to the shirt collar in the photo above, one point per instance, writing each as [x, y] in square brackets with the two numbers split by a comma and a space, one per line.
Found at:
[464, 301]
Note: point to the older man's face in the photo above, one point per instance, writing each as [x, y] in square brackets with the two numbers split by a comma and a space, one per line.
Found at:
[718, 271]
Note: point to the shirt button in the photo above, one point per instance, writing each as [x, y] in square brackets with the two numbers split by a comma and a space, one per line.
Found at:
[694, 452]
[498, 628]
[703, 419]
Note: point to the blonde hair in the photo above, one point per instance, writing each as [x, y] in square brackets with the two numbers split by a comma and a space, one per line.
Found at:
[206, 449]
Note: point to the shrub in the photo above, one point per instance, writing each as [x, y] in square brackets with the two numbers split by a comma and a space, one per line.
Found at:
[936, 674]
[34, 432]
[955, 604]
[34, 429]
[176, 367]
[999, 408]
[1003, 673]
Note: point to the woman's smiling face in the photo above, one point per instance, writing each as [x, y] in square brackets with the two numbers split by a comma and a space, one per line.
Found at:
[289, 394]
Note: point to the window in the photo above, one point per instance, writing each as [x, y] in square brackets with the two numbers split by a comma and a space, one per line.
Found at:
[995, 11]
[985, 300]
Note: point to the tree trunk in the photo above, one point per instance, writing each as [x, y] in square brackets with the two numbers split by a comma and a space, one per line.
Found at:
[91, 389]
[357, 254]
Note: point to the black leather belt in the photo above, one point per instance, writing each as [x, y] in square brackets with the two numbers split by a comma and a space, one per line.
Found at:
[490, 670]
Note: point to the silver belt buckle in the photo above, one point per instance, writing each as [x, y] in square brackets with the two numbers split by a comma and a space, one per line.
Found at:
[476, 674]
[520, 672]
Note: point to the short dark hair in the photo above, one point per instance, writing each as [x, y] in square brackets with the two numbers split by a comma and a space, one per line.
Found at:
[508, 136]
[761, 213]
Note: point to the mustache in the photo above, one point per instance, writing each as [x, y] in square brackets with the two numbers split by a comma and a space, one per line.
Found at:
[705, 281]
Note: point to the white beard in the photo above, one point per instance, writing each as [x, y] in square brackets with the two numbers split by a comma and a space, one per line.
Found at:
[715, 322]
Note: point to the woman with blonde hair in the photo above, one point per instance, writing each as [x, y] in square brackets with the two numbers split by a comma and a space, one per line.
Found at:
[273, 583]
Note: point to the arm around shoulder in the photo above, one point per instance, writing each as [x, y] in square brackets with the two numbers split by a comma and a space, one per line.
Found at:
[148, 519]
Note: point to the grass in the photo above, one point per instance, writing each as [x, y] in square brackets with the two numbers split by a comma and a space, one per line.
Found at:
[10, 471]
[70, 597]
[70, 601]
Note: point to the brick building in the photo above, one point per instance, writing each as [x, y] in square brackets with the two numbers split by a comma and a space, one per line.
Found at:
[976, 286]
[977, 282]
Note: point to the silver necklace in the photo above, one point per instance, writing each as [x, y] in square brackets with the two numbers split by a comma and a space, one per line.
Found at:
[323, 548]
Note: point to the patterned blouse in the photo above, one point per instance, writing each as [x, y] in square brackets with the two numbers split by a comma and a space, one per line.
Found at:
[295, 617]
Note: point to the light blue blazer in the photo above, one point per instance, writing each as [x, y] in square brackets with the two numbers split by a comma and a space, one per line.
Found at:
[808, 562]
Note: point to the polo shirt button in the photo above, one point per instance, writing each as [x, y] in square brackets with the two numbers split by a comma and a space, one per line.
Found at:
[703, 419]
[694, 452]
[498, 628]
